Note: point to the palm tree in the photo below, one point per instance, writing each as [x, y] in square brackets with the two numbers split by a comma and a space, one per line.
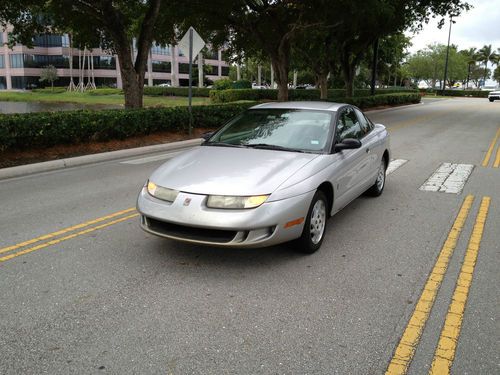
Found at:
[472, 58]
[486, 54]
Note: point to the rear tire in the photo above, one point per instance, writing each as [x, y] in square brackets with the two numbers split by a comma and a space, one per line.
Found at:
[378, 187]
[315, 225]
[492, 100]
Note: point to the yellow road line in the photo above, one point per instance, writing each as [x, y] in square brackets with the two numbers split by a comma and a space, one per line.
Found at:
[409, 340]
[65, 230]
[445, 352]
[487, 157]
[496, 164]
[61, 239]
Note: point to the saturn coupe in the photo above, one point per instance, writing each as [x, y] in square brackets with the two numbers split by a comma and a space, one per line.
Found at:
[273, 174]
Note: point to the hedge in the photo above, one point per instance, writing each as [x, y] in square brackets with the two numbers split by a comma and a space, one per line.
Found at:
[44, 129]
[175, 91]
[472, 93]
[383, 99]
[226, 96]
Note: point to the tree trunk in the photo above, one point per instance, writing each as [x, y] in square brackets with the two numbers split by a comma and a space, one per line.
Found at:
[133, 85]
[322, 80]
[281, 68]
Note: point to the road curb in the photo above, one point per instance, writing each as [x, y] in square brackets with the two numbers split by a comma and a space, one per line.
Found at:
[28, 169]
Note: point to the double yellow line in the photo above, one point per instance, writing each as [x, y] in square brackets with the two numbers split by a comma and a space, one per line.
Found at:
[55, 237]
[445, 351]
[486, 160]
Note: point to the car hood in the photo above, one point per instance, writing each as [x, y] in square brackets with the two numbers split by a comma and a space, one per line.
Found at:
[230, 171]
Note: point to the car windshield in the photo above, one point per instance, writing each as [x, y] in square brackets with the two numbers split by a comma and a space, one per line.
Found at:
[277, 129]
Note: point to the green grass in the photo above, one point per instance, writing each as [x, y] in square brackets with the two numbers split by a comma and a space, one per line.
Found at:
[86, 98]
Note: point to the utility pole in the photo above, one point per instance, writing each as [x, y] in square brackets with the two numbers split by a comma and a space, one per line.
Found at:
[447, 54]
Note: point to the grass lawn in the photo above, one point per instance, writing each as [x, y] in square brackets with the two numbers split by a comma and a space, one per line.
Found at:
[86, 98]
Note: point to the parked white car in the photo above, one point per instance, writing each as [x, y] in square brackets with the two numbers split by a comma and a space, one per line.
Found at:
[494, 95]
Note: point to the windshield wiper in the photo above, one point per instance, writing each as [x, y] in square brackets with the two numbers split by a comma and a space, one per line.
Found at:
[266, 146]
[222, 144]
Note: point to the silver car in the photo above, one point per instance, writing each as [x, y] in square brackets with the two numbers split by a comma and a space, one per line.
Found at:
[273, 174]
[494, 95]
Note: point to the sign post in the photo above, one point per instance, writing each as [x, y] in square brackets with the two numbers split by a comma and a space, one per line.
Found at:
[192, 42]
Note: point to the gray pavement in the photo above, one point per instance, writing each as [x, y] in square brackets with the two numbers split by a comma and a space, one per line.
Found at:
[117, 300]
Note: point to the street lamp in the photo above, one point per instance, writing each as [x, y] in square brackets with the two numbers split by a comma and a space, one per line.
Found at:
[447, 54]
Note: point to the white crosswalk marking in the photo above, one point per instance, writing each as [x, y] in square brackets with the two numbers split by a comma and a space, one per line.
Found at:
[448, 178]
[395, 164]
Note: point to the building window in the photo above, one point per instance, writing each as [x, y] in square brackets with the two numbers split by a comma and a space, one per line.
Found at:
[103, 62]
[225, 71]
[158, 49]
[183, 68]
[16, 60]
[40, 61]
[2, 61]
[212, 70]
[161, 66]
[3, 83]
[211, 54]
[51, 40]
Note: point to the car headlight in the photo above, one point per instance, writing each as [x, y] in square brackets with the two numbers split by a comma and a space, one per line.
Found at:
[162, 193]
[226, 201]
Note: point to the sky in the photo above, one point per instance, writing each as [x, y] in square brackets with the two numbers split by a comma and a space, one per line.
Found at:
[475, 28]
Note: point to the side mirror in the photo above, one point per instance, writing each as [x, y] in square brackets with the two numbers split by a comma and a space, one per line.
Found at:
[206, 136]
[347, 144]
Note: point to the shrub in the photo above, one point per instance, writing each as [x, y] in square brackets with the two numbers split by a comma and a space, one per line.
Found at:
[48, 90]
[364, 102]
[175, 91]
[44, 129]
[226, 96]
[223, 84]
[105, 91]
[241, 84]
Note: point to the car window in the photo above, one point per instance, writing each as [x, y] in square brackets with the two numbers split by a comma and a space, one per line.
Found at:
[305, 130]
[365, 124]
[348, 125]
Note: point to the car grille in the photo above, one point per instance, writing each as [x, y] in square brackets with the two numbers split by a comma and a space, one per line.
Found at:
[189, 233]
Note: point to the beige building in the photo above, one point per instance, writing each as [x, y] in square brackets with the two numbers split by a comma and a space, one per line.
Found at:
[20, 66]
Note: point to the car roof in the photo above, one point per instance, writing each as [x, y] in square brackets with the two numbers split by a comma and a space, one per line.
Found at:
[325, 106]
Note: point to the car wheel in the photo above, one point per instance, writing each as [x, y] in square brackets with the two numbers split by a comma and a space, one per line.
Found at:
[378, 186]
[315, 225]
[492, 100]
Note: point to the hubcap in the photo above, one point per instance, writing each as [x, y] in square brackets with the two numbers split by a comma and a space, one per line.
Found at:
[381, 176]
[318, 221]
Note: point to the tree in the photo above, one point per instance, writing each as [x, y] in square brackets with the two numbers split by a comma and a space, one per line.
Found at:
[496, 74]
[486, 54]
[255, 28]
[472, 58]
[125, 27]
[49, 74]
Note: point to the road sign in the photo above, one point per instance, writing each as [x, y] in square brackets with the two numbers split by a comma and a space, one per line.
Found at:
[198, 43]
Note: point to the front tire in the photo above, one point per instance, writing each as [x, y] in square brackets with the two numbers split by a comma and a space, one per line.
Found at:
[315, 225]
[492, 100]
[378, 187]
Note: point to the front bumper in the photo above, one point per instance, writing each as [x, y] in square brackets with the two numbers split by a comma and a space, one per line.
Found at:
[197, 223]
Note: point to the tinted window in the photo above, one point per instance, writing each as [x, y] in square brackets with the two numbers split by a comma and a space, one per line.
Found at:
[348, 126]
[365, 125]
[306, 130]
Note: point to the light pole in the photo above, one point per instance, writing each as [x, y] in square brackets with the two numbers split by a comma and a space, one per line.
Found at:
[447, 54]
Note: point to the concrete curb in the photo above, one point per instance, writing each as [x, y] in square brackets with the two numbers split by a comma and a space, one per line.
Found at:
[52, 165]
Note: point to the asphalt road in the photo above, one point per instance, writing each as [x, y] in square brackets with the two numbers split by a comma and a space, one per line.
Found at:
[105, 297]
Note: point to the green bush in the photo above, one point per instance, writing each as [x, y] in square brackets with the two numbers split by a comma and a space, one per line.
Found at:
[241, 84]
[226, 96]
[175, 91]
[364, 102]
[44, 129]
[49, 90]
[105, 91]
[460, 92]
[223, 84]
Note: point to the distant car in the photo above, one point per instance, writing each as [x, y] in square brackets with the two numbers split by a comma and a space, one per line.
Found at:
[272, 174]
[164, 85]
[494, 95]
[258, 87]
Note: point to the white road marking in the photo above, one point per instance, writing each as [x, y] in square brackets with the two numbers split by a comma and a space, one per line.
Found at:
[150, 159]
[395, 164]
[448, 178]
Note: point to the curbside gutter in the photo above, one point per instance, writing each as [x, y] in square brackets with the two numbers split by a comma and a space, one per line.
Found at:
[52, 165]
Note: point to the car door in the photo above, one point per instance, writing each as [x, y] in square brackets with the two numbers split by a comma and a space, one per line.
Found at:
[352, 166]
[372, 145]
